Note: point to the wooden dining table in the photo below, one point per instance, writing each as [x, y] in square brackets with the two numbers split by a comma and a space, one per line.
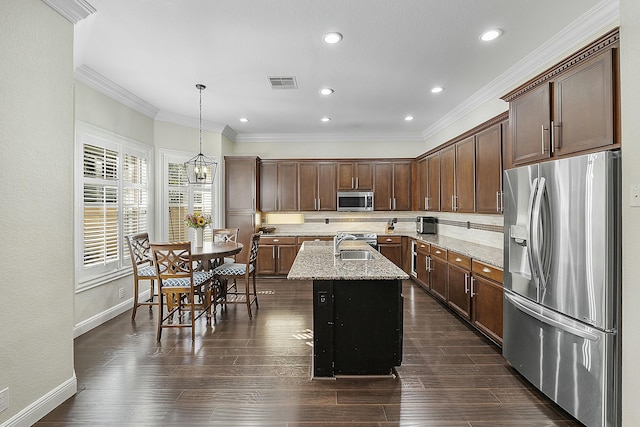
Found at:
[211, 254]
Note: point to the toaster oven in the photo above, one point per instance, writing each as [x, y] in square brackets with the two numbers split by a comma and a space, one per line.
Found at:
[426, 224]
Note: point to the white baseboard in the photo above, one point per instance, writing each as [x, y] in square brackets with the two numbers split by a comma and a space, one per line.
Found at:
[100, 318]
[41, 407]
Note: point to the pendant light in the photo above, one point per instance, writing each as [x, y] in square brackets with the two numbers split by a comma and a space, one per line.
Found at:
[201, 169]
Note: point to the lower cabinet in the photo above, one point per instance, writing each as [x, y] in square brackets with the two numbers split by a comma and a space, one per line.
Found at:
[486, 296]
[458, 296]
[421, 263]
[439, 273]
[391, 248]
[276, 255]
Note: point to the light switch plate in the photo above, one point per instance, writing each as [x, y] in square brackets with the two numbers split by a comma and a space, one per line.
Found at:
[635, 196]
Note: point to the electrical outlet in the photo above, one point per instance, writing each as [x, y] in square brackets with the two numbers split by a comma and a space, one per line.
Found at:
[121, 293]
[4, 399]
[635, 196]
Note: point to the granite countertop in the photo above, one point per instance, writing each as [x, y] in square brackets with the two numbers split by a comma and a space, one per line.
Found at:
[315, 261]
[487, 254]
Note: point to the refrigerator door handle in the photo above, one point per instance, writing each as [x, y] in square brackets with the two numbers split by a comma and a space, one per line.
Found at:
[536, 229]
[523, 306]
[530, 248]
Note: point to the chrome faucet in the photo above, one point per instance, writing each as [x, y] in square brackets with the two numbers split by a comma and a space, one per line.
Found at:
[339, 238]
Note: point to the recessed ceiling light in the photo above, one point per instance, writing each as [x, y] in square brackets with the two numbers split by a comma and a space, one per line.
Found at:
[326, 119]
[408, 118]
[436, 89]
[326, 91]
[332, 38]
[493, 34]
[244, 119]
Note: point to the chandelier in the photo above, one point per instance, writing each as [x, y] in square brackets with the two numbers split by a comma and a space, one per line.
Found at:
[201, 169]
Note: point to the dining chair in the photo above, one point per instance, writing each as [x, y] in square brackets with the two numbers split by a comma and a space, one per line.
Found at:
[143, 269]
[239, 271]
[226, 235]
[179, 286]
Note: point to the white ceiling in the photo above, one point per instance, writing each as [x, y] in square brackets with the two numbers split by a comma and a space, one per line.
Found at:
[392, 53]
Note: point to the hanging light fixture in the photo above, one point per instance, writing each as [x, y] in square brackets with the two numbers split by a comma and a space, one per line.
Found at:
[201, 169]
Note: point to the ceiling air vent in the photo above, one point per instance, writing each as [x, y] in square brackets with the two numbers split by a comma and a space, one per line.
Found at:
[283, 83]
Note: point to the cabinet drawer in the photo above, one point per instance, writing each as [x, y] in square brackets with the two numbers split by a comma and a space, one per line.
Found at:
[439, 252]
[301, 240]
[277, 240]
[460, 260]
[488, 271]
[423, 247]
[389, 240]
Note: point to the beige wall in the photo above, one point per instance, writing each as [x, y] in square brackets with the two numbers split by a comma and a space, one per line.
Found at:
[36, 218]
[630, 88]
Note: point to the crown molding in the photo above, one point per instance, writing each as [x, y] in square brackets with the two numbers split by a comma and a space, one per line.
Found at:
[320, 137]
[187, 121]
[602, 17]
[105, 86]
[230, 133]
[73, 10]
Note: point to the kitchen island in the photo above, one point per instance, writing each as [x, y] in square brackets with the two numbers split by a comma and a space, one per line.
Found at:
[357, 308]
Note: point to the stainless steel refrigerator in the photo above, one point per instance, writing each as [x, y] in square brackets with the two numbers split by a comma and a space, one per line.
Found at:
[562, 282]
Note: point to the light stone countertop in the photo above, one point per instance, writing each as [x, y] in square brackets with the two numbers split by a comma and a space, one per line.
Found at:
[487, 254]
[315, 261]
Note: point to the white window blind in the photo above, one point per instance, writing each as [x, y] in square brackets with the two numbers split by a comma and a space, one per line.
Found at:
[114, 195]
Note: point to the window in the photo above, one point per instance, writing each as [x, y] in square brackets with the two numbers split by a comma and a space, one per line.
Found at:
[113, 200]
[182, 198]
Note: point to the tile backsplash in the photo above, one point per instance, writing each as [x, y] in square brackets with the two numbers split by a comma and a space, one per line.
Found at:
[480, 229]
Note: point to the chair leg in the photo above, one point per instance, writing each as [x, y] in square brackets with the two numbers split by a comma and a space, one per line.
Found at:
[255, 292]
[135, 299]
[160, 310]
[246, 293]
[151, 294]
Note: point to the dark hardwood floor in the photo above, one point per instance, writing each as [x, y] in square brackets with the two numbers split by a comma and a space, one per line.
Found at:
[243, 372]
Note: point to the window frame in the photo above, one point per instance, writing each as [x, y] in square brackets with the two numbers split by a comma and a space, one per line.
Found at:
[87, 278]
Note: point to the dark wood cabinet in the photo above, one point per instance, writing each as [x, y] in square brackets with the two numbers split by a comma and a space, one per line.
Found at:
[391, 248]
[465, 176]
[447, 178]
[583, 106]
[317, 186]
[459, 277]
[570, 108]
[392, 186]
[422, 263]
[278, 185]
[433, 182]
[489, 170]
[487, 300]
[438, 273]
[242, 182]
[355, 176]
[276, 255]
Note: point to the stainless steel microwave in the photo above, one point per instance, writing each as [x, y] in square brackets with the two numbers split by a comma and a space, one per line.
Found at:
[355, 201]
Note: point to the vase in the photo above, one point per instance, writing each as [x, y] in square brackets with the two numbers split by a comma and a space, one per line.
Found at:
[199, 237]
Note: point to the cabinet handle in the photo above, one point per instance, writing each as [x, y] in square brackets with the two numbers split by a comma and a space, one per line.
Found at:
[551, 136]
[486, 270]
[458, 260]
[352, 182]
[429, 267]
[472, 282]
[318, 203]
[390, 204]
[497, 201]
[426, 204]
[276, 240]
[357, 183]
[278, 252]
[543, 147]
[466, 283]
[438, 252]
[422, 246]
[273, 252]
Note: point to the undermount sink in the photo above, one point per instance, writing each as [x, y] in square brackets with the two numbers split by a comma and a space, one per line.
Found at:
[355, 255]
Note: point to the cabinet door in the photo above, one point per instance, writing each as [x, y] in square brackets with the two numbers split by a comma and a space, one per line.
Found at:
[458, 296]
[286, 254]
[401, 186]
[287, 186]
[327, 200]
[465, 179]
[268, 185]
[447, 178]
[382, 186]
[364, 176]
[422, 262]
[420, 186]
[266, 263]
[583, 106]
[433, 182]
[489, 170]
[438, 278]
[246, 225]
[529, 120]
[241, 176]
[393, 252]
[308, 185]
[487, 307]
[346, 176]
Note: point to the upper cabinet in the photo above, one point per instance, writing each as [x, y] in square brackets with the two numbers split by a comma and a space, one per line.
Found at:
[489, 169]
[570, 108]
[392, 186]
[278, 185]
[355, 175]
[426, 183]
[317, 185]
[457, 177]
[241, 184]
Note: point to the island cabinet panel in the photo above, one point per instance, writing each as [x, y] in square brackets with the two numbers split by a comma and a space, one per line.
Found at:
[391, 248]
[487, 300]
[489, 170]
[355, 175]
[276, 255]
[439, 273]
[459, 280]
